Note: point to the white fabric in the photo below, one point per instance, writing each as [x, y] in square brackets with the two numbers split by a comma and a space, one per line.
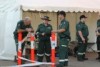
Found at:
[9, 15]
[66, 5]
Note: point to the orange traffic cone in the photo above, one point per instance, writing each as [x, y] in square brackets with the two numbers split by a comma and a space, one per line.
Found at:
[32, 48]
[19, 62]
[53, 44]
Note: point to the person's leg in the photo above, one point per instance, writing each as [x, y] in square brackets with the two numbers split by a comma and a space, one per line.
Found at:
[40, 51]
[48, 50]
[23, 46]
[75, 51]
[63, 53]
[85, 48]
[80, 51]
[98, 47]
[66, 56]
[16, 43]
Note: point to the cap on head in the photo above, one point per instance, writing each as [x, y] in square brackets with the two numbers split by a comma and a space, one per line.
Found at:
[82, 16]
[46, 18]
[62, 13]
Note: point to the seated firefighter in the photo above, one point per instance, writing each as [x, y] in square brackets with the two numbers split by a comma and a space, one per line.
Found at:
[25, 27]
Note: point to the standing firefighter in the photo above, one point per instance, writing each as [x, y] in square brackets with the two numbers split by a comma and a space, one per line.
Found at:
[98, 38]
[23, 26]
[64, 37]
[44, 33]
[82, 36]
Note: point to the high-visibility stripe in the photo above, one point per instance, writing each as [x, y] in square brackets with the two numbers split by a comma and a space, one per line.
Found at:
[80, 53]
[40, 54]
[63, 45]
[66, 59]
[63, 60]
[47, 54]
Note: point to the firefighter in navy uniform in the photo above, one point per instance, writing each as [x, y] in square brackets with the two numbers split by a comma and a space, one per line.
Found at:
[98, 38]
[82, 37]
[23, 26]
[64, 37]
[44, 34]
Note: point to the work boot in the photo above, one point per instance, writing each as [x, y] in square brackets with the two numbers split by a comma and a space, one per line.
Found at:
[15, 59]
[36, 66]
[66, 63]
[98, 58]
[58, 65]
[84, 58]
[80, 58]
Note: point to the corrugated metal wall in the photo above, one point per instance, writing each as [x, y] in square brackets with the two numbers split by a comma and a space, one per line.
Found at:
[73, 18]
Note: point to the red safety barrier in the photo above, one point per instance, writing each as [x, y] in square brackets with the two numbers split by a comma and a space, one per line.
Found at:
[32, 48]
[53, 44]
[19, 62]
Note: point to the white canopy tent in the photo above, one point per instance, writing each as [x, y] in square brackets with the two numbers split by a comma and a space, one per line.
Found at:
[10, 13]
[66, 5]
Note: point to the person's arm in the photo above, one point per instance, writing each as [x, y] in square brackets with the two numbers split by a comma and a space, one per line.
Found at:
[38, 31]
[97, 33]
[60, 30]
[98, 23]
[81, 35]
[79, 28]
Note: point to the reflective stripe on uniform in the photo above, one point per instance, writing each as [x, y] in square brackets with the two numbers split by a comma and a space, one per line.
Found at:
[63, 45]
[47, 54]
[80, 53]
[66, 59]
[63, 60]
[40, 54]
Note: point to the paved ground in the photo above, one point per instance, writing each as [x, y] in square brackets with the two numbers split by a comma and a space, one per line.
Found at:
[72, 62]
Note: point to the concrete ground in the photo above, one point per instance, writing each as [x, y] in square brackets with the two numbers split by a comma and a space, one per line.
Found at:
[92, 62]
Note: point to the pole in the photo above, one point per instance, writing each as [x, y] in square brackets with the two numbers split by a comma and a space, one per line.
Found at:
[19, 62]
[32, 48]
[53, 43]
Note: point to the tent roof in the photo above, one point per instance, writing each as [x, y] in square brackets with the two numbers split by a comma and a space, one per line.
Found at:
[66, 5]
